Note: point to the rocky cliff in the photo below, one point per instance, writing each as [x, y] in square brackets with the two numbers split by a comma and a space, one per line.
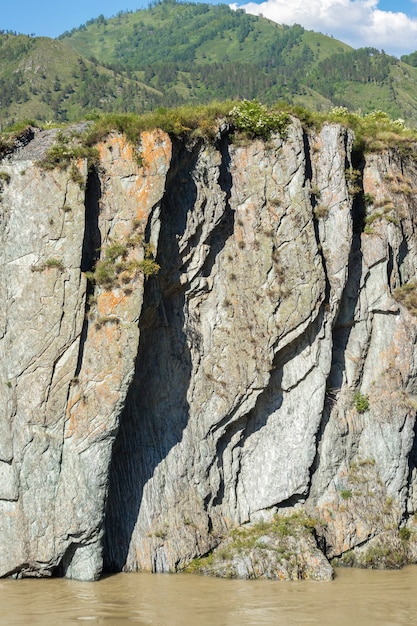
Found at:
[268, 367]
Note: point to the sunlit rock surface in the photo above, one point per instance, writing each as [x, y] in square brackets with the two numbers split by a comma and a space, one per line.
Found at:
[267, 366]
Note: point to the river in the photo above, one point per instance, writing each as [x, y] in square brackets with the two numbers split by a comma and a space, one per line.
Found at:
[354, 598]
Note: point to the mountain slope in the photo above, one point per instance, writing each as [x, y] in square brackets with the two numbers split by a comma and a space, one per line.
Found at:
[174, 53]
[46, 79]
[199, 33]
[200, 51]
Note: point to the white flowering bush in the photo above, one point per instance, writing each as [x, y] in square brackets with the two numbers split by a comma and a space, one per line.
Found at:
[339, 112]
[375, 121]
[342, 115]
[383, 119]
[375, 131]
[254, 119]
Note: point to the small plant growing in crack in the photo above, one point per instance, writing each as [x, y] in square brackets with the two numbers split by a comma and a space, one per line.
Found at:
[361, 402]
[51, 263]
[116, 269]
[407, 296]
[321, 211]
[345, 494]
[106, 319]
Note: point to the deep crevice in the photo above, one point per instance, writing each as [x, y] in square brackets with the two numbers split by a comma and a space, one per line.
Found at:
[327, 288]
[402, 255]
[224, 229]
[344, 321]
[90, 248]
[178, 202]
[308, 164]
[292, 501]
[60, 570]
[156, 409]
[412, 467]
[313, 201]
[152, 421]
[92, 236]
[390, 265]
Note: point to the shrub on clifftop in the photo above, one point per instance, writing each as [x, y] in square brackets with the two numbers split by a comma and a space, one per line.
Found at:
[254, 119]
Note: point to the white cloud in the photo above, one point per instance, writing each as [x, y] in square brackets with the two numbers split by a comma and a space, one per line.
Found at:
[359, 23]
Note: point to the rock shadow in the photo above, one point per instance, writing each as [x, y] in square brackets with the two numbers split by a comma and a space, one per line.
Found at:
[90, 249]
[156, 411]
[345, 319]
[152, 422]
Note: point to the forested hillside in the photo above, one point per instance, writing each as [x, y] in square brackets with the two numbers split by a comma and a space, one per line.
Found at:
[44, 79]
[201, 51]
[183, 53]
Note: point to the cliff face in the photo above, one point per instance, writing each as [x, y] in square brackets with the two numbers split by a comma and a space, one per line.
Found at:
[267, 367]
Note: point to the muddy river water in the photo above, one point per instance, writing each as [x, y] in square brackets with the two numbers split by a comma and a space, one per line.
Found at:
[354, 598]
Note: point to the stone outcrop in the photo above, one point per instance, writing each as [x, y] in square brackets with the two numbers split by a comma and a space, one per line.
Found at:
[269, 366]
[284, 549]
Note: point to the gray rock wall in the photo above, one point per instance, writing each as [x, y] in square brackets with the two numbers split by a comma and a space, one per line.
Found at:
[267, 367]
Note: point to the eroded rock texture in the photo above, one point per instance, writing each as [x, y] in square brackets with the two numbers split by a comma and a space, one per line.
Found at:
[266, 367]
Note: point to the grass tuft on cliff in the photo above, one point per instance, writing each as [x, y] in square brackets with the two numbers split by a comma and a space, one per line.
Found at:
[407, 296]
[199, 120]
[374, 132]
[246, 538]
[249, 117]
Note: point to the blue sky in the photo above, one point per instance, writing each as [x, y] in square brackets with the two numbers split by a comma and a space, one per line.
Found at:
[384, 24]
[406, 6]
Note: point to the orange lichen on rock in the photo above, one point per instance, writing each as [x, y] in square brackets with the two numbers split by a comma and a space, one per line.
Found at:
[109, 301]
[118, 148]
[155, 153]
[84, 416]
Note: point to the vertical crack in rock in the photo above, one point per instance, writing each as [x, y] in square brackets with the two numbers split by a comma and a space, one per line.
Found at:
[152, 422]
[342, 327]
[313, 200]
[308, 176]
[224, 229]
[390, 266]
[178, 202]
[156, 409]
[412, 476]
[90, 252]
[90, 249]
[345, 318]
[92, 237]
[402, 254]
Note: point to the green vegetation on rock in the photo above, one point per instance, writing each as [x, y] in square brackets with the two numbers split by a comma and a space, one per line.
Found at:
[407, 296]
[255, 120]
[201, 120]
[51, 263]
[391, 549]
[116, 268]
[278, 549]
[361, 402]
[195, 53]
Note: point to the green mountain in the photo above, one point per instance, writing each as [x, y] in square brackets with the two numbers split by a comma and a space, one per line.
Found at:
[174, 53]
[45, 79]
[196, 52]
